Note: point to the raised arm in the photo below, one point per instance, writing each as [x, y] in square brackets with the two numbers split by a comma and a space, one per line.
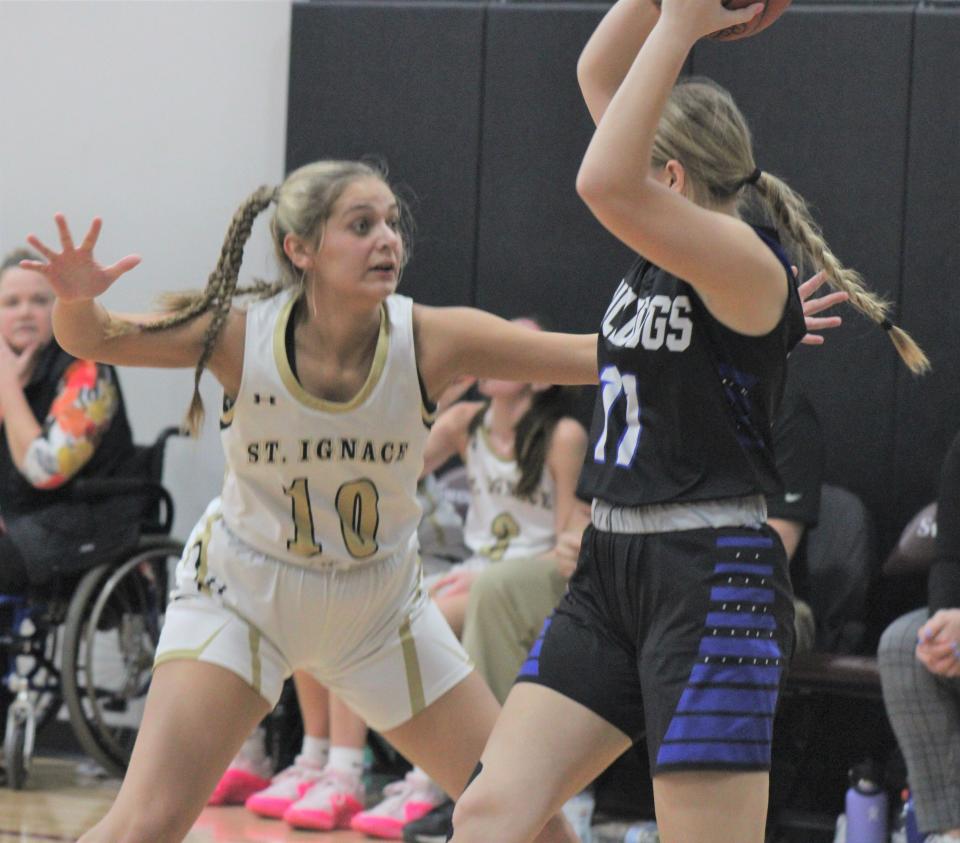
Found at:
[87, 330]
[611, 50]
[736, 274]
[456, 341]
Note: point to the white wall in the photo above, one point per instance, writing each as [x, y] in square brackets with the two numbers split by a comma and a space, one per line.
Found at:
[160, 117]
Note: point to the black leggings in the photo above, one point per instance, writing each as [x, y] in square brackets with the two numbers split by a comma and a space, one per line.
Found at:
[13, 568]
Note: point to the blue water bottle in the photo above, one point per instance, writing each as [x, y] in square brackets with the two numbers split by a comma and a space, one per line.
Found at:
[866, 807]
[910, 821]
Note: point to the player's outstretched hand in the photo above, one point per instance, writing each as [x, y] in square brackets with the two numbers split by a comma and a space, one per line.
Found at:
[812, 306]
[73, 273]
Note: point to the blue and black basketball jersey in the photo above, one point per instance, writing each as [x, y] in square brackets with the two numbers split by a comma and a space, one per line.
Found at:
[685, 405]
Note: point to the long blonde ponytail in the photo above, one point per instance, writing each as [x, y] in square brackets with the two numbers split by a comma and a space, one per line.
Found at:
[793, 218]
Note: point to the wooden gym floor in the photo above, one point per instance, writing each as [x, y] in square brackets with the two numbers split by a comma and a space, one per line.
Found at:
[58, 804]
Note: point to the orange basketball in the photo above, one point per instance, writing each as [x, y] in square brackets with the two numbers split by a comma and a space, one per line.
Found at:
[772, 9]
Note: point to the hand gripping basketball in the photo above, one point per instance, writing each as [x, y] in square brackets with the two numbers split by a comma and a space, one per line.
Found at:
[772, 9]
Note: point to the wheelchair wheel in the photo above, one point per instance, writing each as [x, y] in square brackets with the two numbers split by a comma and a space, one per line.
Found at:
[110, 637]
[18, 743]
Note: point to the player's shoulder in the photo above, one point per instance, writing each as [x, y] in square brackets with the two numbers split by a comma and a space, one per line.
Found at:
[568, 433]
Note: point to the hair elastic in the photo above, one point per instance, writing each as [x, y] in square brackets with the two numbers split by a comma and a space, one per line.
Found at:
[754, 177]
[886, 324]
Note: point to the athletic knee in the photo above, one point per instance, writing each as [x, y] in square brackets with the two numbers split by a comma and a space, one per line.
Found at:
[488, 811]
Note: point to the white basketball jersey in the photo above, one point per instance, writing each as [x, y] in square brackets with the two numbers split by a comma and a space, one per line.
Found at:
[324, 483]
[500, 525]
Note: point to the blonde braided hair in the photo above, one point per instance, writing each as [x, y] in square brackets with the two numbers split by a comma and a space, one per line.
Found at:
[791, 212]
[702, 128]
[304, 201]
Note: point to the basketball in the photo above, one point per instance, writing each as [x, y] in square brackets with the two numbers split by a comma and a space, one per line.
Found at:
[772, 9]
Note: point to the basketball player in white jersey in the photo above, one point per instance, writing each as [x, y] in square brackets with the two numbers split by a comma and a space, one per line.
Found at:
[310, 560]
[522, 451]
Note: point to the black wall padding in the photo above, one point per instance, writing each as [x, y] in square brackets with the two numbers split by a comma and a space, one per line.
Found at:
[928, 410]
[399, 81]
[541, 251]
[826, 92]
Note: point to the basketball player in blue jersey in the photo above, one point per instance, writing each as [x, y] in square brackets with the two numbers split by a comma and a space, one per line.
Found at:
[309, 560]
[677, 624]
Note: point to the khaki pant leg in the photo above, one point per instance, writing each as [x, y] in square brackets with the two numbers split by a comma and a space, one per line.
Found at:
[508, 604]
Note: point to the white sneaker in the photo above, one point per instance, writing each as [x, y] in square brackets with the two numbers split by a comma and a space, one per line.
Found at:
[286, 788]
[403, 802]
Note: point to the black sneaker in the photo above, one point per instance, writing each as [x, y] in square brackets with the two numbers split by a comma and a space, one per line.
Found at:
[434, 827]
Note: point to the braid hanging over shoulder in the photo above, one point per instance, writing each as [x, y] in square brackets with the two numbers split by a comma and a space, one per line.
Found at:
[218, 295]
[793, 217]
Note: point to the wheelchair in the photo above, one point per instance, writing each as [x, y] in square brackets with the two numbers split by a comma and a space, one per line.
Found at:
[89, 641]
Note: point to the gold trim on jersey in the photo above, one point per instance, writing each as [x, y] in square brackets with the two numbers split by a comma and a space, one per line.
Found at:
[253, 636]
[493, 451]
[192, 653]
[411, 664]
[296, 388]
[429, 416]
[204, 542]
[227, 410]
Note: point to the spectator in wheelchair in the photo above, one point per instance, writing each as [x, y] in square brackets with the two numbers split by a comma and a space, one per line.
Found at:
[61, 419]
[919, 660]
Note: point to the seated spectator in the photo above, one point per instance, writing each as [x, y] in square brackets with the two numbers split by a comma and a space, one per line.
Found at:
[919, 660]
[61, 419]
[523, 452]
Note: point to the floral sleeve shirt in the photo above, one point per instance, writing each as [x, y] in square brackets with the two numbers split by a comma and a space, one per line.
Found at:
[87, 400]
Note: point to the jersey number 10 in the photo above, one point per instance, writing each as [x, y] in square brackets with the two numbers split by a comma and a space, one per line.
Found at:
[356, 503]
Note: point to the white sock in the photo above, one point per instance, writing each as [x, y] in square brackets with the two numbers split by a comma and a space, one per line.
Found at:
[254, 747]
[421, 775]
[346, 759]
[315, 751]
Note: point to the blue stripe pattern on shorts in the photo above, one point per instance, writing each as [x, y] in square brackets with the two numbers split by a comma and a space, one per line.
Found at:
[733, 594]
[531, 667]
[712, 727]
[725, 714]
[729, 754]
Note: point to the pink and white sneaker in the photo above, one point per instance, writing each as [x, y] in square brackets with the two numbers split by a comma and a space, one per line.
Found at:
[329, 804]
[285, 788]
[248, 773]
[403, 802]
[236, 786]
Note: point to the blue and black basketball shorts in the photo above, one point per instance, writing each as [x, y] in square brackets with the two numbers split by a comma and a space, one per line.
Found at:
[680, 637]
